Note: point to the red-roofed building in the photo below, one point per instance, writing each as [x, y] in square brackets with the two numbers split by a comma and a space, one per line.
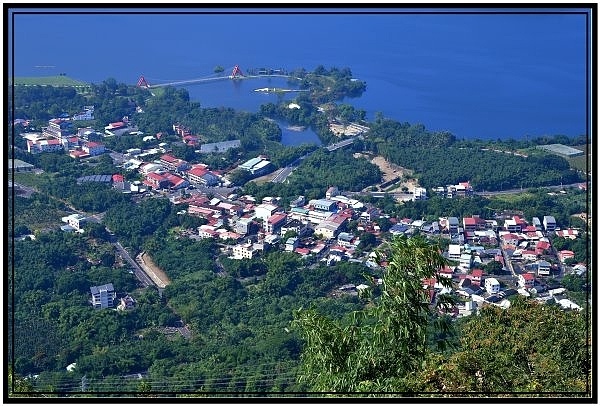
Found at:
[170, 163]
[446, 272]
[510, 238]
[118, 178]
[156, 181]
[77, 153]
[274, 223]
[302, 251]
[93, 148]
[190, 140]
[477, 276]
[176, 182]
[474, 223]
[529, 255]
[200, 175]
[541, 247]
[526, 280]
[116, 125]
[564, 255]
[568, 233]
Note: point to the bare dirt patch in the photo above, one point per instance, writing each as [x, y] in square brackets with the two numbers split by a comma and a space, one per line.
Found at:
[153, 271]
[391, 172]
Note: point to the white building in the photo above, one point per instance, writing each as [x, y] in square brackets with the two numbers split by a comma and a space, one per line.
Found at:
[492, 285]
[264, 211]
[103, 296]
[76, 221]
[244, 251]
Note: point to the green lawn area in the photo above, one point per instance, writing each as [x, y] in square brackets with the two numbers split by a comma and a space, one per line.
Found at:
[31, 179]
[49, 81]
[513, 197]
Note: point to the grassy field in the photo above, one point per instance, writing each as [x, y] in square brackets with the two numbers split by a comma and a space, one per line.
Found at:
[579, 162]
[49, 81]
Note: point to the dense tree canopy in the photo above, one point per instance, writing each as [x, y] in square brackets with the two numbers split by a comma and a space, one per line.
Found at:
[376, 349]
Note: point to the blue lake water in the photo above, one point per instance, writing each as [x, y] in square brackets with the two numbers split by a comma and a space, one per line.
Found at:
[476, 75]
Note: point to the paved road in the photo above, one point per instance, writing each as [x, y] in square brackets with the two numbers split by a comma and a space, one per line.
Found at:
[137, 270]
[283, 174]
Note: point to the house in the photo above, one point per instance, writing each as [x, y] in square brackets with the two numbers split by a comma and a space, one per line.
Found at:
[57, 129]
[274, 223]
[420, 193]
[568, 233]
[324, 205]
[244, 251]
[474, 223]
[398, 229]
[245, 225]
[126, 303]
[93, 148]
[564, 255]
[116, 128]
[369, 215]
[263, 211]
[466, 261]
[526, 280]
[541, 247]
[86, 115]
[579, 269]
[207, 231]
[200, 175]
[176, 182]
[331, 227]
[510, 239]
[514, 224]
[298, 202]
[301, 229]
[103, 296]
[453, 225]
[446, 272]
[44, 145]
[535, 221]
[492, 286]
[345, 240]
[543, 268]
[170, 163]
[549, 223]
[76, 221]
[454, 252]
[291, 244]
[477, 276]
[156, 181]
[230, 209]
[529, 255]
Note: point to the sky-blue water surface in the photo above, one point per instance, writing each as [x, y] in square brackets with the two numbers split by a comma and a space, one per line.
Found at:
[486, 75]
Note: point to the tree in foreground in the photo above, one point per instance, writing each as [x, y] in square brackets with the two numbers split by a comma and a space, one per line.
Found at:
[378, 348]
[529, 349]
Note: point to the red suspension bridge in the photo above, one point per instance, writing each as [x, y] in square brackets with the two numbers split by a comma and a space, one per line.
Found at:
[236, 73]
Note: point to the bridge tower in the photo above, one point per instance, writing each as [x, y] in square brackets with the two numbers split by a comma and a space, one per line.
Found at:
[237, 72]
[143, 82]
